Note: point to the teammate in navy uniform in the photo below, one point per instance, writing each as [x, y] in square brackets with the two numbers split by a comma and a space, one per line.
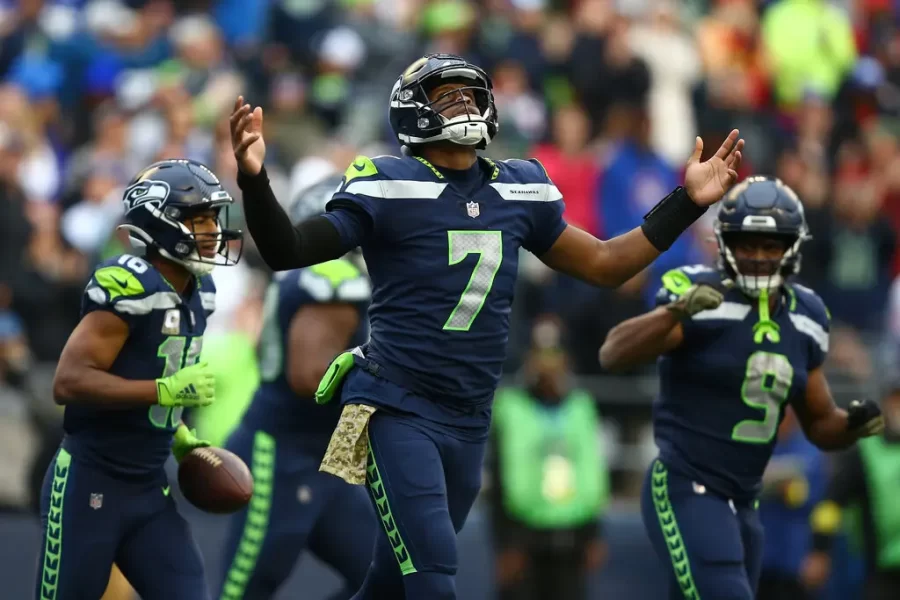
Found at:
[735, 346]
[311, 315]
[440, 230]
[125, 375]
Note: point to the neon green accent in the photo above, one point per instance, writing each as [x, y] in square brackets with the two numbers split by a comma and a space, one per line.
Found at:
[178, 355]
[676, 282]
[766, 387]
[756, 504]
[166, 491]
[336, 271]
[793, 295]
[362, 166]
[379, 494]
[54, 533]
[881, 463]
[554, 477]
[489, 247]
[828, 314]
[257, 521]
[659, 490]
[118, 282]
[339, 368]
[765, 328]
[271, 350]
[437, 173]
[496, 172]
[232, 358]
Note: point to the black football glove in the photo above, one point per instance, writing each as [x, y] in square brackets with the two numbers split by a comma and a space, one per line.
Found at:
[864, 417]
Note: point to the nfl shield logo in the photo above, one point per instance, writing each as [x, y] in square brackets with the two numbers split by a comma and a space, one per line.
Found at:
[472, 209]
[96, 501]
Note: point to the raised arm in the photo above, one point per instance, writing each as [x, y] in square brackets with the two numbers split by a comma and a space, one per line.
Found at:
[613, 262]
[281, 244]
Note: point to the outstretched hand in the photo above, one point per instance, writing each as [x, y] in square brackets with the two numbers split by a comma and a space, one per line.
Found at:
[246, 137]
[707, 182]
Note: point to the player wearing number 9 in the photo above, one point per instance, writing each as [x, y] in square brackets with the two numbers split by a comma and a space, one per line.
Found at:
[735, 346]
[125, 375]
[441, 229]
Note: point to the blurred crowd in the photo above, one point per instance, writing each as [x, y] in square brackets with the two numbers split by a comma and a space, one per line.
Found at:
[608, 94]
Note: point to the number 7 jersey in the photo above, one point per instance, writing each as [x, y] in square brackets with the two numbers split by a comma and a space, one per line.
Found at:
[165, 335]
[443, 261]
[723, 391]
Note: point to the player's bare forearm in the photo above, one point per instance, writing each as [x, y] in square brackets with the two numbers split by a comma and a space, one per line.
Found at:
[641, 339]
[282, 245]
[82, 372]
[82, 384]
[824, 424]
[317, 334]
[603, 263]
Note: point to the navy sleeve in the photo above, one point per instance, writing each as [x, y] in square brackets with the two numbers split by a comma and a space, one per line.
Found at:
[811, 317]
[547, 222]
[354, 207]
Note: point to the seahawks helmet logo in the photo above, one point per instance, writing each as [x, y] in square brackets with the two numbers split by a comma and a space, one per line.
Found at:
[145, 192]
[414, 68]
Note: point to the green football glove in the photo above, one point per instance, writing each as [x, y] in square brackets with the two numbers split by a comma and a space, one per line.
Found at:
[697, 298]
[184, 441]
[191, 386]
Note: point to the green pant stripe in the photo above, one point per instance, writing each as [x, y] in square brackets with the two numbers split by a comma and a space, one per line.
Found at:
[659, 490]
[53, 546]
[257, 522]
[379, 494]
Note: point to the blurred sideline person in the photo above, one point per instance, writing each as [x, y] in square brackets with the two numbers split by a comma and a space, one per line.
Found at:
[551, 480]
[793, 483]
[867, 476]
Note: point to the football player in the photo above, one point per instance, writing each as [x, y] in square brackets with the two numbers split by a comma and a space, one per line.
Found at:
[735, 345]
[125, 375]
[440, 229]
[310, 315]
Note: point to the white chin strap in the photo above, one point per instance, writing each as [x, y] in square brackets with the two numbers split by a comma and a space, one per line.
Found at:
[464, 131]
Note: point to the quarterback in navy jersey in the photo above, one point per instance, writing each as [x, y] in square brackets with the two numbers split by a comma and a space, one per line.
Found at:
[440, 229]
[310, 316]
[735, 346]
[125, 375]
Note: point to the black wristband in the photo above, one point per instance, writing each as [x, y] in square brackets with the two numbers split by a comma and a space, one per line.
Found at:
[253, 183]
[669, 218]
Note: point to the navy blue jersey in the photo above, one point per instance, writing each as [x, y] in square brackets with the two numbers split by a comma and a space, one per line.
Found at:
[722, 393]
[276, 407]
[443, 265]
[165, 335]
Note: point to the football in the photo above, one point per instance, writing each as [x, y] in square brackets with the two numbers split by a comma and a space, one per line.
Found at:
[215, 480]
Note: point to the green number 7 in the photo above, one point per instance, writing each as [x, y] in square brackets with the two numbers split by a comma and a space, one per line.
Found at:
[489, 246]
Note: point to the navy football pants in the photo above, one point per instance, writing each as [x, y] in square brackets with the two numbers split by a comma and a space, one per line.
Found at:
[423, 485]
[711, 547]
[91, 520]
[294, 507]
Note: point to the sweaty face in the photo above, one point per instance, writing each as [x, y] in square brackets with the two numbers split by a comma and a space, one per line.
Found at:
[450, 100]
[205, 227]
[757, 255]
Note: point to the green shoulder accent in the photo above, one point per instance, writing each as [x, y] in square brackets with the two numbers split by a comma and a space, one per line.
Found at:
[676, 281]
[336, 271]
[118, 281]
[496, 169]
[827, 313]
[437, 173]
[362, 167]
[793, 295]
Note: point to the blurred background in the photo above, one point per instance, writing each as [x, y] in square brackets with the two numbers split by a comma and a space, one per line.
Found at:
[608, 94]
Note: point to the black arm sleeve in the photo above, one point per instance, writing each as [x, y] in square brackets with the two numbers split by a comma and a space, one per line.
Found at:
[282, 245]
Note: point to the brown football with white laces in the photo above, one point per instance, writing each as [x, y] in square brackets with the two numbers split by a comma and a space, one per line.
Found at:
[215, 480]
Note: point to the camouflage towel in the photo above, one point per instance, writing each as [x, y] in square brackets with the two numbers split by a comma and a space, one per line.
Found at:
[349, 445]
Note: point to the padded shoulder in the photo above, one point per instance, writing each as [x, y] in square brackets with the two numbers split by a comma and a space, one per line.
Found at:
[675, 282]
[333, 281]
[130, 285]
[806, 301]
[522, 171]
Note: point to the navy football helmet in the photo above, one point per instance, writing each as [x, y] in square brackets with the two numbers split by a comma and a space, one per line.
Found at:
[765, 207]
[164, 195]
[417, 120]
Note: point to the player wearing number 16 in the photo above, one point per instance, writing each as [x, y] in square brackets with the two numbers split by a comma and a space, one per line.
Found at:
[735, 346]
[126, 373]
[440, 229]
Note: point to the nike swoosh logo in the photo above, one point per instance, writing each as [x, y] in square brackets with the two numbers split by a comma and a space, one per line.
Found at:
[124, 284]
[359, 167]
[166, 491]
